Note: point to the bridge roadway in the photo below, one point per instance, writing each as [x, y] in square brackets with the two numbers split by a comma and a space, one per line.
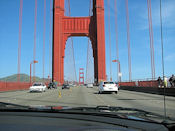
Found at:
[82, 96]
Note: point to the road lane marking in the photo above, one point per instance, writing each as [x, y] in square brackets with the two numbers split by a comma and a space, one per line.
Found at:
[59, 94]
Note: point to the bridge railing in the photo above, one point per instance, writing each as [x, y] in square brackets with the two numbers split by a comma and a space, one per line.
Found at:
[148, 82]
[11, 86]
[152, 83]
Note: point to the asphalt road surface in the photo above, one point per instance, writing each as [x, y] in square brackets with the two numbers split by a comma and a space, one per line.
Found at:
[82, 96]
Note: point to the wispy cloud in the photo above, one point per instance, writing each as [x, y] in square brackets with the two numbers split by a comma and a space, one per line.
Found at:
[168, 15]
[170, 57]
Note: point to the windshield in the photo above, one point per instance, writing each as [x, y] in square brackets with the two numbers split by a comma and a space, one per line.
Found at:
[108, 82]
[73, 48]
[37, 84]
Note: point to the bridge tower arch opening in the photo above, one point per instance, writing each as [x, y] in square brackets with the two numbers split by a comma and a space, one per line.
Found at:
[65, 27]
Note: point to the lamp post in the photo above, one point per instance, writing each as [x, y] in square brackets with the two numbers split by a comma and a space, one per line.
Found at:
[119, 73]
[33, 62]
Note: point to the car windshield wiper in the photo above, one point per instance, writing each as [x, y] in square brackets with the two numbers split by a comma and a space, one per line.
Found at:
[11, 106]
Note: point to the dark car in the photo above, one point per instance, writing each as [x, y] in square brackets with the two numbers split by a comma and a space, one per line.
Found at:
[65, 86]
[52, 85]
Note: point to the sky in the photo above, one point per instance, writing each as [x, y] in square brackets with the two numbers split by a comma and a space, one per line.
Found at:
[139, 37]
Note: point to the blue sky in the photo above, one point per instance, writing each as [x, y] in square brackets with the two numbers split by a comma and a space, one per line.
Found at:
[139, 35]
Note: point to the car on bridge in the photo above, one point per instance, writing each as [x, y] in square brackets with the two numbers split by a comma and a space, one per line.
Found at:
[66, 86]
[38, 87]
[52, 85]
[90, 85]
[107, 86]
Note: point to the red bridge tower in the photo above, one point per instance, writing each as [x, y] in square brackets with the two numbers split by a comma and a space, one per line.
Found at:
[92, 27]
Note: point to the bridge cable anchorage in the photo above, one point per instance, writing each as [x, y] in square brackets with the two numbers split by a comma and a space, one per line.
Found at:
[116, 30]
[50, 39]
[151, 39]
[44, 32]
[109, 40]
[34, 48]
[128, 40]
[19, 40]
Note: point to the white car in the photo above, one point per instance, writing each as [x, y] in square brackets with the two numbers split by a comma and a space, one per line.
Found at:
[106, 86]
[38, 87]
[90, 85]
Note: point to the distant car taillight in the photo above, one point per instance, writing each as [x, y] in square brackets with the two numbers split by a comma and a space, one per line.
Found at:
[115, 85]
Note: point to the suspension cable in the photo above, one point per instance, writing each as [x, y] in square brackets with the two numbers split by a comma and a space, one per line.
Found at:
[87, 61]
[117, 52]
[128, 40]
[72, 46]
[44, 32]
[50, 39]
[161, 31]
[151, 39]
[19, 40]
[34, 49]
[109, 39]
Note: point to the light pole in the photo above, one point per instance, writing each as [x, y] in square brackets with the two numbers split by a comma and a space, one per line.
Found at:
[33, 62]
[119, 73]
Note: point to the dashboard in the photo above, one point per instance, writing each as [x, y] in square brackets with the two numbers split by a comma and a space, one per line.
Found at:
[68, 121]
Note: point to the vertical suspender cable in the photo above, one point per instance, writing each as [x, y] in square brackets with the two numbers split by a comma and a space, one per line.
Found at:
[109, 39]
[72, 46]
[87, 61]
[19, 40]
[34, 49]
[161, 30]
[151, 39]
[44, 32]
[128, 40]
[117, 52]
[50, 39]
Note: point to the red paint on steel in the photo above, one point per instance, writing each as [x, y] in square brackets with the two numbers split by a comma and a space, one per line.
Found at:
[140, 83]
[72, 45]
[12, 86]
[92, 27]
[19, 40]
[81, 76]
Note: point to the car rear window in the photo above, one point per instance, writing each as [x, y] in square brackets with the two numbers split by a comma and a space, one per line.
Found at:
[108, 82]
[37, 84]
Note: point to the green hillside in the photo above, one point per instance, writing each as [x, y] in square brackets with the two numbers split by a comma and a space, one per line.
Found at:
[23, 78]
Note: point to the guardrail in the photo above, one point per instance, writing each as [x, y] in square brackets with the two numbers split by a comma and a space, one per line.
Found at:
[152, 83]
[11, 86]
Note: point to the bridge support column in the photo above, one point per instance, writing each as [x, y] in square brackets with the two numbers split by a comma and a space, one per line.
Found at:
[64, 27]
